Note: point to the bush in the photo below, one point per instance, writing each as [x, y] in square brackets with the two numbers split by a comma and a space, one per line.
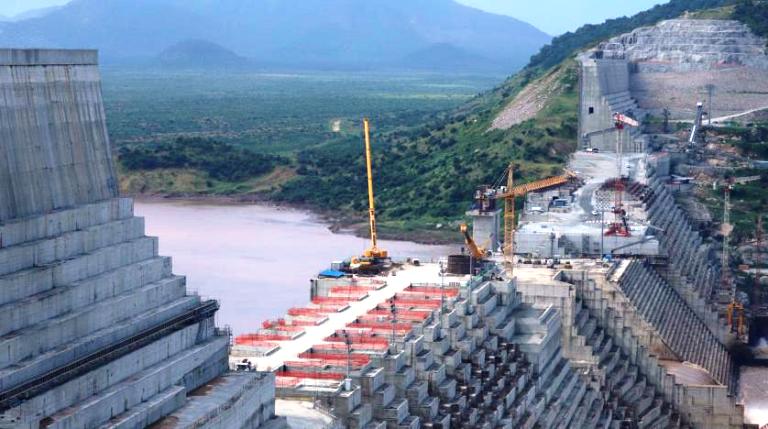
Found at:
[222, 161]
[754, 14]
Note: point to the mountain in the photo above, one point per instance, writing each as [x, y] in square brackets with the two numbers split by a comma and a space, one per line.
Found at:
[286, 32]
[428, 174]
[447, 57]
[199, 54]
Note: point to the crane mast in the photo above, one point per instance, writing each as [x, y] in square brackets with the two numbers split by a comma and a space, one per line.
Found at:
[509, 220]
[735, 311]
[620, 226]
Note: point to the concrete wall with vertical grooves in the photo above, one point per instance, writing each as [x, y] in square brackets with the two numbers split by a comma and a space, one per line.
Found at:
[54, 148]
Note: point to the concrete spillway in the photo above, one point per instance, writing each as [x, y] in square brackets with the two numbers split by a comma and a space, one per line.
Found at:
[95, 329]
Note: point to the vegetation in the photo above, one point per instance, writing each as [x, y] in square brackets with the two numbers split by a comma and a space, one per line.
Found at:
[263, 113]
[748, 200]
[754, 13]
[430, 172]
[221, 161]
[566, 45]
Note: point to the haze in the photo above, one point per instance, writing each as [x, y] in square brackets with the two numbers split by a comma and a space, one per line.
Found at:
[551, 16]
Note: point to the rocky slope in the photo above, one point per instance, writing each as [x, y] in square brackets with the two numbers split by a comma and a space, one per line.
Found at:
[689, 44]
[675, 61]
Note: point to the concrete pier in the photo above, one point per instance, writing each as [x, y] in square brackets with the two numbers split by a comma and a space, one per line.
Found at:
[95, 329]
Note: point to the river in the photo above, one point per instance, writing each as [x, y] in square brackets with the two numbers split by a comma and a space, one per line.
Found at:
[256, 260]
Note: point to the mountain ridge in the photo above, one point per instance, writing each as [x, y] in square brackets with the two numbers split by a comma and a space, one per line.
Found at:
[298, 32]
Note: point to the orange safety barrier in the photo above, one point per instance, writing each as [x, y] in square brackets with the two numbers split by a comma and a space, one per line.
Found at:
[311, 375]
[431, 291]
[388, 317]
[329, 300]
[356, 358]
[414, 302]
[286, 382]
[380, 325]
[353, 287]
[283, 328]
[313, 363]
[261, 337]
[411, 314]
[299, 322]
[257, 343]
[362, 338]
[338, 346]
[348, 294]
[315, 311]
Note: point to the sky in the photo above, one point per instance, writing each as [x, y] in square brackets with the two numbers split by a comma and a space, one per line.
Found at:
[551, 16]
[556, 17]
[15, 7]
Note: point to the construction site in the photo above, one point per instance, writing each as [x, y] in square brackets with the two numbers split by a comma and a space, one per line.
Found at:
[602, 304]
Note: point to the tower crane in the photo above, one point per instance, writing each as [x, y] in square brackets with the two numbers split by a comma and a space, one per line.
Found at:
[620, 226]
[373, 258]
[735, 311]
[508, 193]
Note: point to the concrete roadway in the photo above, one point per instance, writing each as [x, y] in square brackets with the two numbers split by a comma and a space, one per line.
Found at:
[290, 350]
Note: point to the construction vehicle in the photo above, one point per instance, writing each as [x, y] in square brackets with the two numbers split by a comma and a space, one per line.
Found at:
[620, 225]
[373, 259]
[486, 196]
[475, 251]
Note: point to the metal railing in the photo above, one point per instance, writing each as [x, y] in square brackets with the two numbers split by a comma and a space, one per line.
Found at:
[14, 396]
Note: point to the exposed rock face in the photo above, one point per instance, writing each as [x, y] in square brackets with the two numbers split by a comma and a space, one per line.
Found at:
[673, 63]
[689, 44]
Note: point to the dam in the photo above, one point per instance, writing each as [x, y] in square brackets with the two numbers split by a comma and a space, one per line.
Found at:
[608, 314]
[602, 319]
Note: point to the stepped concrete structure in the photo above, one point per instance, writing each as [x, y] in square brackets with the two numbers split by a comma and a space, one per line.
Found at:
[674, 63]
[405, 352]
[588, 329]
[95, 329]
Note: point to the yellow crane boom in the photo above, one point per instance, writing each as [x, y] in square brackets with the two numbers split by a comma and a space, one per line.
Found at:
[373, 251]
[475, 251]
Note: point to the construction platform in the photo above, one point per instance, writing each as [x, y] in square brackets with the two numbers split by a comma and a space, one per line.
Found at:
[577, 223]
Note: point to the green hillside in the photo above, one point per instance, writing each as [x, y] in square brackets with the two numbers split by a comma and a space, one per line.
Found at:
[429, 173]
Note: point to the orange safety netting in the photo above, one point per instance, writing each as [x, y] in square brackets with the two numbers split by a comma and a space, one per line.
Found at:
[311, 375]
[241, 339]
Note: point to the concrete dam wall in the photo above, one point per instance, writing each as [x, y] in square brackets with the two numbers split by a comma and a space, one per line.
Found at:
[95, 329]
[53, 133]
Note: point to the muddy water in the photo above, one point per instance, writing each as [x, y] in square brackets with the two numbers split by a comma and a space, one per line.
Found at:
[256, 260]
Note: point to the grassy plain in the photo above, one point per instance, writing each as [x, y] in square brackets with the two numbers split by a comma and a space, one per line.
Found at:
[269, 113]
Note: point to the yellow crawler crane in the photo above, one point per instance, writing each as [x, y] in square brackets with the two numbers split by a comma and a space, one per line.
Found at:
[373, 258]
